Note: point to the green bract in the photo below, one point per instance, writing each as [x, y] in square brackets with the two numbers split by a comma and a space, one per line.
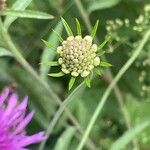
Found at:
[78, 55]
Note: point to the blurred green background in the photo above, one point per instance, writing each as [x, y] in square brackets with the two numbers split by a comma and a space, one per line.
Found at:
[126, 21]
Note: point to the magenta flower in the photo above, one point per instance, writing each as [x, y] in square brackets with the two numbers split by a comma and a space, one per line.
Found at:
[13, 120]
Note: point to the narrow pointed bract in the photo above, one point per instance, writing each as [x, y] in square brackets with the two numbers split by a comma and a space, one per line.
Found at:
[58, 36]
[71, 82]
[50, 63]
[59, 74]
[68, 29]
[87, 81]
[97, 71]
[104, 43]
[13, 122]
[78, 55]
[105, 64]
[49, 45]
[78, 27]
[93, 33]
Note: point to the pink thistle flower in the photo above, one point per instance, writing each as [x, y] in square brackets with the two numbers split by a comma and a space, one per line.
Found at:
[13, 120]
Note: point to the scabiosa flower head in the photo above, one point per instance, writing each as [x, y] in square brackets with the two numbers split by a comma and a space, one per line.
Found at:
[78, 55]
[13, 120]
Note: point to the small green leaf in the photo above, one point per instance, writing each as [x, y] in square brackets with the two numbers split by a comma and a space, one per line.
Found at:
[5, 52]
[26, 14]
[97, 71]
[87, 81]
[59, 74]
[49, 45]
[50, 63]
[71, 82]
[17, 5]
[105, 64]
[58, 36]
[101, 53]
[103, 44]
[78, 27]
[93, 33]
[68, 29]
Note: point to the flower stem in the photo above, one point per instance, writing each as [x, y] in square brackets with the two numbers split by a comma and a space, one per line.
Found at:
[18, 56]
[111, 86]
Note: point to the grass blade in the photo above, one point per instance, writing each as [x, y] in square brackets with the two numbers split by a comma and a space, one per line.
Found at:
[78, 27]
[68, 29]
[93, 33]
[63, 143]
[18, 5]
[129, 136]
[26, 14]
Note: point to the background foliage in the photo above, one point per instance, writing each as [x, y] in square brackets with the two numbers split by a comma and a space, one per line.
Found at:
[127, 108]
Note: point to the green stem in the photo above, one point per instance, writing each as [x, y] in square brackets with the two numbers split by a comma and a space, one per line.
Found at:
[118, 94]
[58, 114]
[18, 56]
[111, 86]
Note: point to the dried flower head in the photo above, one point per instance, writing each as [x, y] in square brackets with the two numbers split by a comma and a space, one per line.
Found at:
[13, 121]
[78, 55]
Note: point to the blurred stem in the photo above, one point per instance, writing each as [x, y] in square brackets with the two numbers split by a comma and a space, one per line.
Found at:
[118, 94]
[111, 86]
[59, 113]
[18, 56]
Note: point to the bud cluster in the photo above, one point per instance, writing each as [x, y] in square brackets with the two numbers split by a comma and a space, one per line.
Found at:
[77, 56]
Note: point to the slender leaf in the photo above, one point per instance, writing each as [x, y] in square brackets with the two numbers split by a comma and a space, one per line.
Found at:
[93, 33]
[104, 43]
[101, 53]
[78, 27]
[102, 4]
[59, 74]
[68, 29]
[26, 14]
[49, 55]
[50, 63]
[18, 5]
[105, 64]
[87, 81]
[58, 36]
[97, 71]
[49, 45]
[71, 82]
[5, 52]
[63, 143]
[129, 136]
